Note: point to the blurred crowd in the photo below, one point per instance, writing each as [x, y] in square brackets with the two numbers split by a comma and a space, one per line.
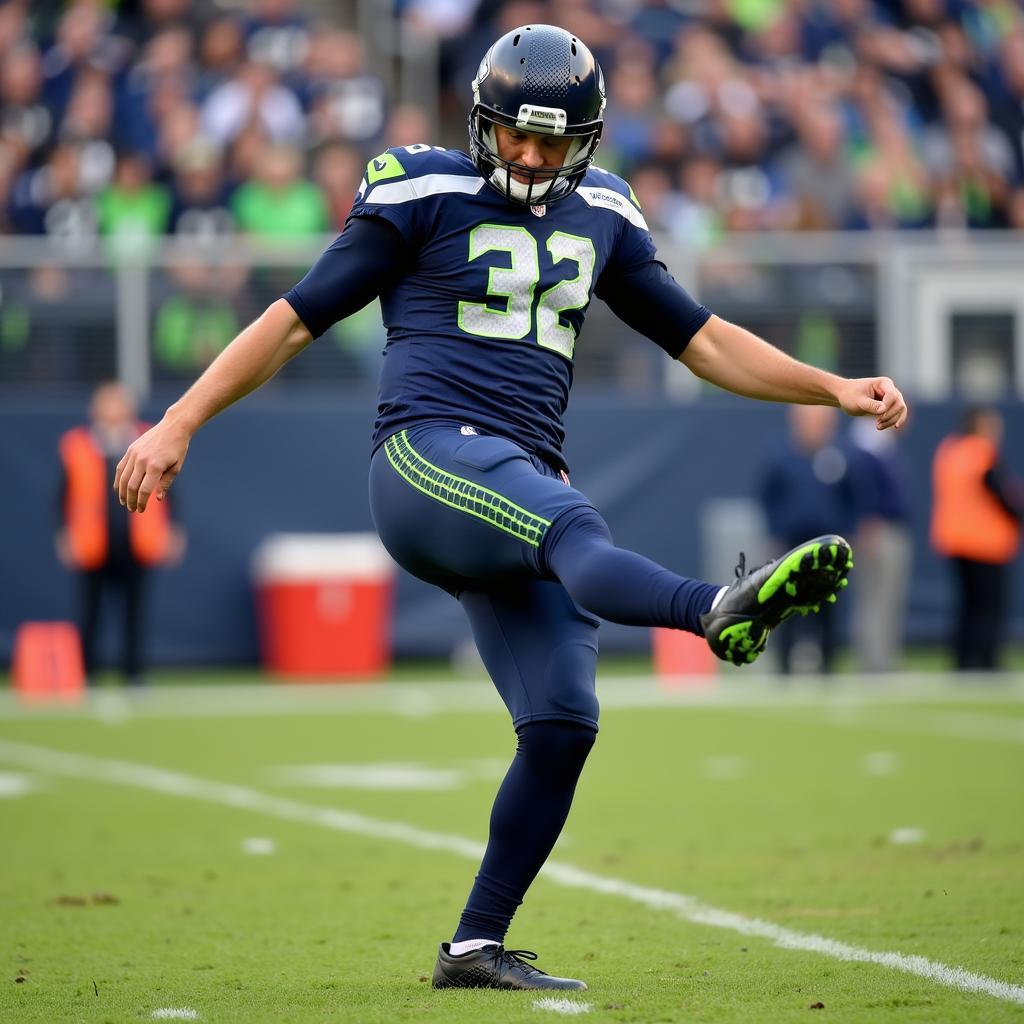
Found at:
[137, 118]
[796, 114]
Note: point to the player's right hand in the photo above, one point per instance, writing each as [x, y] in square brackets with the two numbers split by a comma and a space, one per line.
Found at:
[150, 465]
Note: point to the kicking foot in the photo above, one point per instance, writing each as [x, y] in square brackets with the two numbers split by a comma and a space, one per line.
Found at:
[494, 967]
[737, 627]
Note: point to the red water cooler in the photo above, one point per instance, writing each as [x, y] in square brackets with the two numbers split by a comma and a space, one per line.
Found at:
[324, 604]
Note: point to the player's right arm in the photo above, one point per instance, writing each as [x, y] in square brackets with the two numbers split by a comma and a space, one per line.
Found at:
[361, 263]
[155, 459]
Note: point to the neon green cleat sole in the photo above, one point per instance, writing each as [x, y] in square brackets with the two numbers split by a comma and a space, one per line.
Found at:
[798, 583]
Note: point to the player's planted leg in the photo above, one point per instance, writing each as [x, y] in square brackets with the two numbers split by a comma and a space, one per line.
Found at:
[738, 624]
[529, 812]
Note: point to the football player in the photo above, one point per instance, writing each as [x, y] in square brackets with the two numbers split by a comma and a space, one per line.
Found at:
[485, 264]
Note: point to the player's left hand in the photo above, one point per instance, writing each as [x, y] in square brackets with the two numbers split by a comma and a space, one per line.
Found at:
[874, 396]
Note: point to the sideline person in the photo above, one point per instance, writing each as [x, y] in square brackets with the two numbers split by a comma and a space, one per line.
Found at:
[485, 264]
[976, 524]
[111, 552]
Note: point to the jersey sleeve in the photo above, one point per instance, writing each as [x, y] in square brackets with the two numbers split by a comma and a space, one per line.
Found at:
[651, 301]
[389, 191]
[363, 262]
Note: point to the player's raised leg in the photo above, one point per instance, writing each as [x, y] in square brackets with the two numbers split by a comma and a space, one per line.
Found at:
[622, 586]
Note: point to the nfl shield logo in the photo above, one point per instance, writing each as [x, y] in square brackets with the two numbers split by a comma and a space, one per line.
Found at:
[538, 211]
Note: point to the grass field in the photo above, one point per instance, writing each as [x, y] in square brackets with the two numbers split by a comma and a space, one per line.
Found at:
[290, 854]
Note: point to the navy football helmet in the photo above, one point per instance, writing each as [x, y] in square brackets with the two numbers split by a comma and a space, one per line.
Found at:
[542, 79]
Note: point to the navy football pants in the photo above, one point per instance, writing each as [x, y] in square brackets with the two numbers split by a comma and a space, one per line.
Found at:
[532, 563]
[528, 557]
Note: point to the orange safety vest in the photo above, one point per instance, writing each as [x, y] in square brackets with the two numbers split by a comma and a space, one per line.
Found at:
[85, 508]
[967, 520]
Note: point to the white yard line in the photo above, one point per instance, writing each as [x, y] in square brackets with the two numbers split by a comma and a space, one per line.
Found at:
[566, 1006]
[78, 766]
[14, 785]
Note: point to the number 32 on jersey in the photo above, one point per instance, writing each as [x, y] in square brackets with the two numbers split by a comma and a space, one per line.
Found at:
[516, 285]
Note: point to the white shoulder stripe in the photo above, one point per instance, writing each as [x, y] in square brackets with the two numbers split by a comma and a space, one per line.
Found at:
[607, 199]
[393, 192]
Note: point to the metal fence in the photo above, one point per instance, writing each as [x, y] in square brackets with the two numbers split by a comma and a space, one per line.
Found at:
[942, 313]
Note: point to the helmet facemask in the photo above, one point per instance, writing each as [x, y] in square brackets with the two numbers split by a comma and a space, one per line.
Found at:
[542, 185]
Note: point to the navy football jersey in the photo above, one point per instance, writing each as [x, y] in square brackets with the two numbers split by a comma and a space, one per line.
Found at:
[481, 329]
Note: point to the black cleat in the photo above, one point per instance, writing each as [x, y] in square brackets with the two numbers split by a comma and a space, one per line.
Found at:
[494, 967]
[797, 583]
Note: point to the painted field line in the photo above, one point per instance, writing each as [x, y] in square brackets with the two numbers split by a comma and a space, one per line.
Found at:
[569, 1007]
[170, 783]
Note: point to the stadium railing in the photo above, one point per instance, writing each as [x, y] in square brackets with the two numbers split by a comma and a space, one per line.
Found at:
[943, 313]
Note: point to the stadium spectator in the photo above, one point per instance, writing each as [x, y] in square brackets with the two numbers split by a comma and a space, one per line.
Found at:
[89, 125]
[159, 81]
[893, 187]
[109, 551]
[50, 200]
[253, 96]
[177, 130]
[699, 220]
[67, 318]
[976, 524]
[278, 202]
[407, 125]
[200, 197]
[884, 546]
[221, 53]
[817, 177]
[25, 122]
[1008, 112]
[337, 170]
[633, 114]
[811, 484]
[133, 212]
[83, 43]
[347, 103]
[971, 159]
[197, 321]
[276, 33]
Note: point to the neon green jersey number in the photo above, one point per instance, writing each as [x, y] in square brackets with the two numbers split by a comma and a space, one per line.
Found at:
[517, 283]
[571, 294]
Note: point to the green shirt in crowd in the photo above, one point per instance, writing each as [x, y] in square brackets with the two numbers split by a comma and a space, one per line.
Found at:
[298, 210]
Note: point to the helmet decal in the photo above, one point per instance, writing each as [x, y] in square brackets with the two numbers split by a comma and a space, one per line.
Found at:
[541, 119]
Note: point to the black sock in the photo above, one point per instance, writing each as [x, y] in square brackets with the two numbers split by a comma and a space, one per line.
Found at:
[528, 814]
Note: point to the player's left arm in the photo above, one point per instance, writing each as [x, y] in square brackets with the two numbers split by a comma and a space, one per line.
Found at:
[733, 358]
